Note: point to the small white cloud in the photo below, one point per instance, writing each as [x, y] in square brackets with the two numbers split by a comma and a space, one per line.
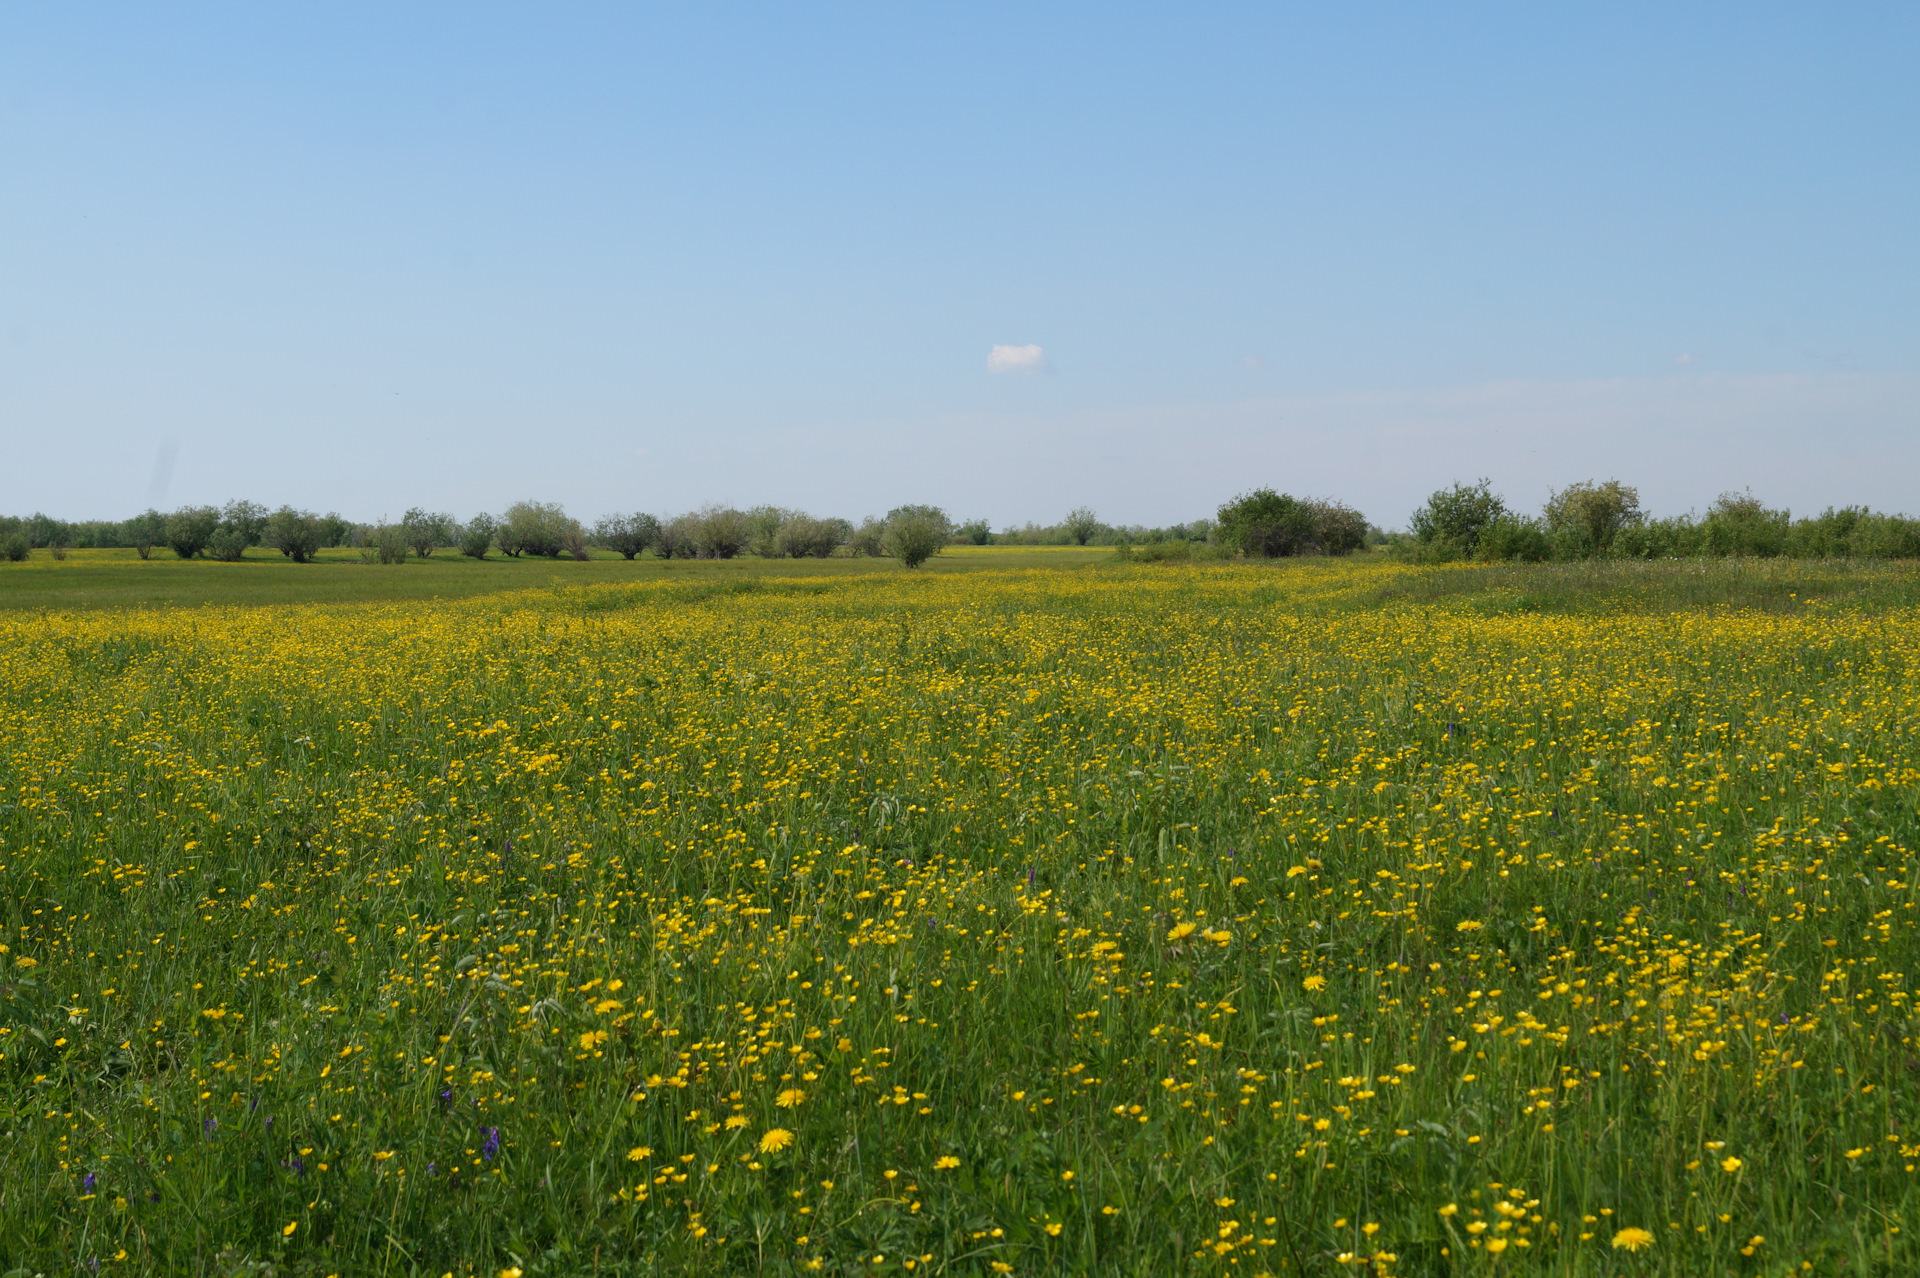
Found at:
[1687, 359]
[1016, 359]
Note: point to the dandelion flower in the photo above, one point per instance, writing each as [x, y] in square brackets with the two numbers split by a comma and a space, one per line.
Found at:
[1496, 1245]
[638, 1152]
[946, 1162]
[775, 1139]
[1181, 931]
[1731, 1164]
[1633, 1239]
[736, 1121]
[789, 1098]
[1314, 982]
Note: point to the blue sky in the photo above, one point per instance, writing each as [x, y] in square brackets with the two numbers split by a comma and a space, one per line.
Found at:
[645, 257]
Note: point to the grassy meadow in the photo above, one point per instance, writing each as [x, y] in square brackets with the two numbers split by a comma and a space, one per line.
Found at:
[1036, 914]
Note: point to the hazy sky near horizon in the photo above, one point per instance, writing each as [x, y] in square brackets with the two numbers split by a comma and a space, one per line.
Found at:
[1008, 259]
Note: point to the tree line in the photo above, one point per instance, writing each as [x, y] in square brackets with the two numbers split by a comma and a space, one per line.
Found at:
[911, 534]
[1584, 520]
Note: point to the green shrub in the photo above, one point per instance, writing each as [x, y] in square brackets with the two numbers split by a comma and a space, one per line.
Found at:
[476, 536]
[15, 546]
[294, 533]
[426, 531]
[384, 543]
[1738, 524]
[914, 534]
[190, 528]
[1513, 537]
[1449, 526]
[870, 538]
[975, 532]
[803, 536]
[626, 535]
[1582, 519]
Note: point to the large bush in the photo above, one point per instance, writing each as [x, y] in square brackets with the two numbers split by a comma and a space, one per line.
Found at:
[426, 530]
[1583, 518]
[763, 524]
[1082, 524]
[294, 533]
[190, 528]
[1450, 524]
[1264, 524]
[1740, 524]
[145, 531]
[626, 535]
[719, 532]
[536, 528]
[476, 536]
[802, 536]
[914, 534]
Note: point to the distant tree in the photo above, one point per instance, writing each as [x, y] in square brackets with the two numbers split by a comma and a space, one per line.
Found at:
[1586, 516]
[242, 524]
[535, 528]
[1338, 529]
[763, 529]
[334, 531]
[144, 531]
[1082, 524]
[676, 539]
[1741, 524]
[916, 533]
[870, 538]
[627, 535]
[719, 532]
[1264, 524]
[45, 530]
[384, 543]
[426, 530]
[975, 532]
[573, 540]
[476, 537]
[1453, 518]
[802, 536]
[15, 546]
[190, 528]
[294, 533]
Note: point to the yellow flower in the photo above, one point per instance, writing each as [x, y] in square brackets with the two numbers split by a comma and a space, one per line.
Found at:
[1468, 926]
[1181, 930]
[638, 1152]
[775, 1139]
[288, 1231]
[946, 1162]
[592, 1039]
[1496, 1245]
[1450, 1209]
[789, 1098]
[1855, 1153]
[606, 1005]
[736, 1121]
[1633, 1239]
[1053, 1228]
[1731, 1164]
[1314, 982]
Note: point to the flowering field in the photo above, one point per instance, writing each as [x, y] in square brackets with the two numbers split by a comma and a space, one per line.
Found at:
[1131, 921]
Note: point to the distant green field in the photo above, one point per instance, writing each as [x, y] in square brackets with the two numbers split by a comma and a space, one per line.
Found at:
[120, 579]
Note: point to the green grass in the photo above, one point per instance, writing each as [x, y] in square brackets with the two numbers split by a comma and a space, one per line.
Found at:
[1140, 920]
[120, 579]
